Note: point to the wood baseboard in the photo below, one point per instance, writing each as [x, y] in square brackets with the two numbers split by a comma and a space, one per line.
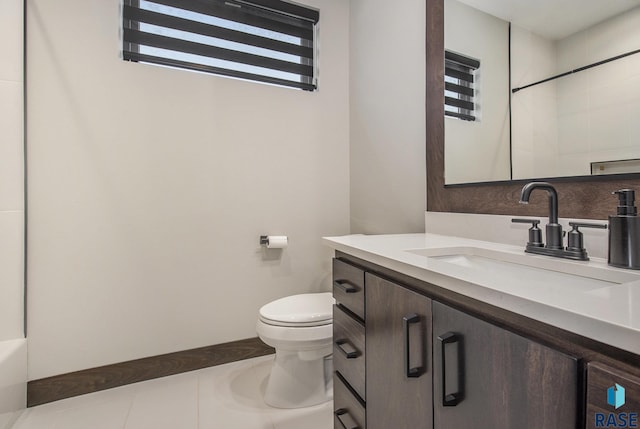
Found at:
[91, 380]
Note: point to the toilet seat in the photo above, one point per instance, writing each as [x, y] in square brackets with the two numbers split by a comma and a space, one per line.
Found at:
[304, 310]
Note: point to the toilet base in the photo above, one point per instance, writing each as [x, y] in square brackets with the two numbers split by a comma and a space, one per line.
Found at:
[297, 383]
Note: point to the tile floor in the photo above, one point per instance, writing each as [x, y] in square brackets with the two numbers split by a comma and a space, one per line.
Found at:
[226, 396]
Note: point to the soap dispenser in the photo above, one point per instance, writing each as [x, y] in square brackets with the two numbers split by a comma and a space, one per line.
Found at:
[624, 232]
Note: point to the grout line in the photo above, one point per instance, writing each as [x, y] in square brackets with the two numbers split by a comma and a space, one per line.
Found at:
[25, 182]
[199, 381]
[11, 81]
[270, 413]
[133, 399]
[13, 419]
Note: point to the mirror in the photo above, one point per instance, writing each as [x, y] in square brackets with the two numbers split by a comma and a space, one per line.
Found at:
[583, 123]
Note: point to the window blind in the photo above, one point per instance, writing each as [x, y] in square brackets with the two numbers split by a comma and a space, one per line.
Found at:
[459, 83]
[270, 41]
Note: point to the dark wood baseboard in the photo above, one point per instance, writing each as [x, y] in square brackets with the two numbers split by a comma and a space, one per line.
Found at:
[106, 377]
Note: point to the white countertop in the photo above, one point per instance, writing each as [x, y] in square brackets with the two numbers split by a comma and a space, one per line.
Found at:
[606, 311]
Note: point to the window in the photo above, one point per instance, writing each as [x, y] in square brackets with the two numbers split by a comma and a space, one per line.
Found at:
[459, 84]
[270, 41]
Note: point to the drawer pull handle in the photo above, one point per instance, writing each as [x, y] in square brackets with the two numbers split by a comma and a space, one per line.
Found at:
[345, 419]
[406, 322]
[451, 399]
[347, 348]
[345, 286]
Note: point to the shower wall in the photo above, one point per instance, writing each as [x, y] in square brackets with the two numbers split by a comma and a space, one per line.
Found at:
[12, 344]
[11, 171]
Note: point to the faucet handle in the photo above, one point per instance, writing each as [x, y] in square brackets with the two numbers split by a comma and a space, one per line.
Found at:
[577, 225]
[535, 233]
[574, 240]
[534, 222]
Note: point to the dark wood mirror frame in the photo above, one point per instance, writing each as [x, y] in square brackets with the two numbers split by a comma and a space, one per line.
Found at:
[581, 197]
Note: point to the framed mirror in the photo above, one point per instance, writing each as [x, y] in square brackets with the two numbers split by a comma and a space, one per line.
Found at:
[556, 93]
[585, 197]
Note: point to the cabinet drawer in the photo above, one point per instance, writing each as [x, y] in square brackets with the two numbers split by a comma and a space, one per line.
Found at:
[348, 287]
[348, 412]
[349, 349]
[607, 402]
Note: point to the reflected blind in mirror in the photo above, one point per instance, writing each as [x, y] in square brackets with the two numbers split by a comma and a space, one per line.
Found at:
[459, 80]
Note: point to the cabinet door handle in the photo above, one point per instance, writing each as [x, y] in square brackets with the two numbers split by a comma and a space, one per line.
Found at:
[345, 286]
[451, 399]
[345, 419]
[408, 320]
[348, 349]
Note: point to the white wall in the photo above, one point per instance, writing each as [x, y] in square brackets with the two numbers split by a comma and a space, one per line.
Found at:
[534, 126]
[11, 171]
[387, 87]
[599, 108]
[478, 151]
[149, 188]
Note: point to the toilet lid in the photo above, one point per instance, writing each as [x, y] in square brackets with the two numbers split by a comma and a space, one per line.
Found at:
[309, 309]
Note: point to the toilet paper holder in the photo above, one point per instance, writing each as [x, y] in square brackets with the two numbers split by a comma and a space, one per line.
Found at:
[274, 241]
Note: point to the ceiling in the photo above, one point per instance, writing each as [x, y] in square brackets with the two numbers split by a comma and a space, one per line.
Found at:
[554, 19]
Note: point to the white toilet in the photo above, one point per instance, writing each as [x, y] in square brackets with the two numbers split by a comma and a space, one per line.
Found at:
[300, 328]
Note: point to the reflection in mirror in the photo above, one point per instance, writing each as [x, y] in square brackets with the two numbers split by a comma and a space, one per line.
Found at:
[478, 150]
[563, 126]
[580, 124]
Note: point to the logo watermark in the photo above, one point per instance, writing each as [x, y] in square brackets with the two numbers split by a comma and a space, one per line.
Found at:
[616, 399]
[615, 396]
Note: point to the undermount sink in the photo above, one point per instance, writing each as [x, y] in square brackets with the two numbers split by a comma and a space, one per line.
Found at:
[527, 269]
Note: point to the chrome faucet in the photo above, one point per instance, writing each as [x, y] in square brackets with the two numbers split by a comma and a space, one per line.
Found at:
[553, 229]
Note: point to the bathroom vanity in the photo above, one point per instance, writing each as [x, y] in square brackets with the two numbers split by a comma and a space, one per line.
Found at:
[442, 332]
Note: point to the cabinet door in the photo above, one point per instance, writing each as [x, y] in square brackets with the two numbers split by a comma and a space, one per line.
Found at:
[613, 397]
[487, 377]
[398, 367]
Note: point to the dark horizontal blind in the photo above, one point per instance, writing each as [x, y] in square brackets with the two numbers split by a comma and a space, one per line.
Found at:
[459, 86]
[269, 41]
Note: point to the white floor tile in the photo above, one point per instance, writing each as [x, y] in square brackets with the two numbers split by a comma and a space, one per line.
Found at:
[7, 419]
[316, 417]
[223, 397]
[166, 403]
[100, 410]
[35, 418]
[230, 396]
[105, 415]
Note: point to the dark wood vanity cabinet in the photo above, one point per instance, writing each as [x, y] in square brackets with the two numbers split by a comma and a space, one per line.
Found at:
[411, 355]
[488, 377]
[398, 366]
